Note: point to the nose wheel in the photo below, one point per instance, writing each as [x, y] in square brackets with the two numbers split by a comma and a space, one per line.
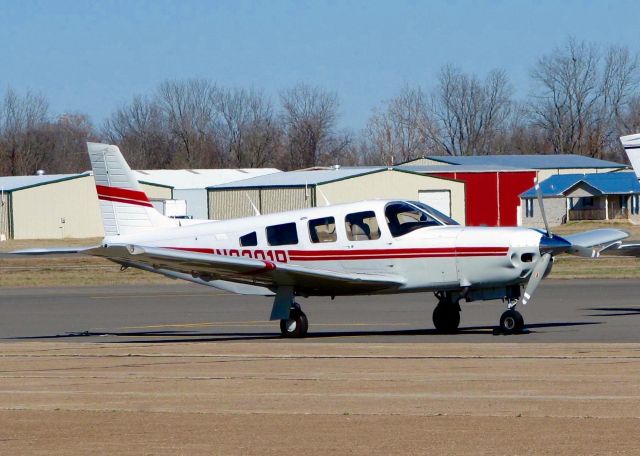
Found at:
[296, 325]
[511, 322]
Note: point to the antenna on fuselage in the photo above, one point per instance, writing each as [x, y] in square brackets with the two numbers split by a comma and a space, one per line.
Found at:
[255, 209]
[324, 197]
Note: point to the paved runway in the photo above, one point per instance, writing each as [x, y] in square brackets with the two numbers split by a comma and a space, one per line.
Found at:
[563, 311]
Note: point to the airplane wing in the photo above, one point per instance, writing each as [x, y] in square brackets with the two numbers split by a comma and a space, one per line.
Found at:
[592, 243]
[629, 250]
[247, 271]
[52, 251]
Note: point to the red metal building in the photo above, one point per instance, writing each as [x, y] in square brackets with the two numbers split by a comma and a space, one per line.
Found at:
[493, 197]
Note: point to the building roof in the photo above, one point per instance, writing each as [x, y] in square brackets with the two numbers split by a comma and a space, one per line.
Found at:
[606, 183]
[302, 177]
[458, 168]
[527, 161]
[13, 183]
[183, 179]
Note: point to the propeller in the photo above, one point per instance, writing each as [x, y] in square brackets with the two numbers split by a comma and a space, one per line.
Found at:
[541, 204]
[548, 244]
[537, 274]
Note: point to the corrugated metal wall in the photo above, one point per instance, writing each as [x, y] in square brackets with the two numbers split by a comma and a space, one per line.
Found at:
[233, 203]
[4, 215]
[285, 199]
[228, 204]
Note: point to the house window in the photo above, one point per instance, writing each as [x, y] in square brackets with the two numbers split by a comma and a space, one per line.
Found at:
[528, 207]
[284, 234]
[587, 202]
[323, 230]
[635, 204]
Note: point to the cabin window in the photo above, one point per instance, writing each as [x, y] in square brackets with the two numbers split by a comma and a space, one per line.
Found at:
[362, 226]
[403, 218]
[285, 234]
[323, 230]
[249, 240]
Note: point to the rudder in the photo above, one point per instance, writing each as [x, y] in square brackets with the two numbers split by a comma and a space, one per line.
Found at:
[125, 208]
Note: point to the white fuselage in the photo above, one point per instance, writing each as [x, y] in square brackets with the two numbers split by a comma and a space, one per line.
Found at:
[447, 257]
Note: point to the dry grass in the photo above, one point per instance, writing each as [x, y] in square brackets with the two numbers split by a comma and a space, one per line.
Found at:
[65, 270]
[79, 270]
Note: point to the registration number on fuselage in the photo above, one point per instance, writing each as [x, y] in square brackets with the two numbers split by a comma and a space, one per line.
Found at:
[279, 256]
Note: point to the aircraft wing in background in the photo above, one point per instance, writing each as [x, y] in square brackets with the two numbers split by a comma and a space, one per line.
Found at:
[592, 244]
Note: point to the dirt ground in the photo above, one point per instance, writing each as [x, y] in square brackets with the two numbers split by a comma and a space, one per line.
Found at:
[275, 398]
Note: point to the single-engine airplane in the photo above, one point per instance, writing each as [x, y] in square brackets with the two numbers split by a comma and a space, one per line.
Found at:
[363, 248]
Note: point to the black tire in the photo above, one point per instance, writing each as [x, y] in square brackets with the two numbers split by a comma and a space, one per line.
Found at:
[511, 322]
[296, 326]
[446, 318]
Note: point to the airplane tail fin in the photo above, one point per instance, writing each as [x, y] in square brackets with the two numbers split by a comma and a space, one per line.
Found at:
[631, 144]
[125, 208]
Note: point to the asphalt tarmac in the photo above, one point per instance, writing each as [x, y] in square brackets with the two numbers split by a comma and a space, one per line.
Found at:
[562, 311]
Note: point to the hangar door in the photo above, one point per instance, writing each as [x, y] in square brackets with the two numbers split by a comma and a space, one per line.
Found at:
[437, 199]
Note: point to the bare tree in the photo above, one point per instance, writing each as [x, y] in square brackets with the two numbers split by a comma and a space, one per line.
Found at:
[23, 133]
[402, 130]
[309, 117]
[68, 137]
[580, 96]
[470, 113]
[141, 131]
[189, 110]
[249, 130]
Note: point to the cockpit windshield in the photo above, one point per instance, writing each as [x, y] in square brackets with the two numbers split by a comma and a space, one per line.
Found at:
[445, 219]
[406, 216]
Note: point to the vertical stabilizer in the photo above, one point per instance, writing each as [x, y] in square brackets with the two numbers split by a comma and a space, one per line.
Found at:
[125, 207]
[631, 144]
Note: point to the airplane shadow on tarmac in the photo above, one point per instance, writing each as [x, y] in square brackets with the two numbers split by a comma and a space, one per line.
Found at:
[614, 311]
[193, 336]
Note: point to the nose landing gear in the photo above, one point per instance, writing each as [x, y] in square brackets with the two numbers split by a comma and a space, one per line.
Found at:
[511, 321]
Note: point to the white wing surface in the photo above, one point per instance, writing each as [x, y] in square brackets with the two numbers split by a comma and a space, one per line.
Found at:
[593, 243]
[247, 271]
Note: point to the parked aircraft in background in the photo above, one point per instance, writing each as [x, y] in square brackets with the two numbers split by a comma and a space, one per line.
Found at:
[363, 248]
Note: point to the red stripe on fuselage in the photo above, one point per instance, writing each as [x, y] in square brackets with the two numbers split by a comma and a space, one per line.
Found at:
[378, 254]
[372, 254]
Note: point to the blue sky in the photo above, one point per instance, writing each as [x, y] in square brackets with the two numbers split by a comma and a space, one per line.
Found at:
[93, 56]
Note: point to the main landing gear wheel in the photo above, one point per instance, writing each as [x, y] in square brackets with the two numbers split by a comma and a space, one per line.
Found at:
[511, 322]
[296, 325]
[446, 318]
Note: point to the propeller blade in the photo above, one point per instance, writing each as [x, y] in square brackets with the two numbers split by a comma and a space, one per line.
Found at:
[541, 204]
[536, 277]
